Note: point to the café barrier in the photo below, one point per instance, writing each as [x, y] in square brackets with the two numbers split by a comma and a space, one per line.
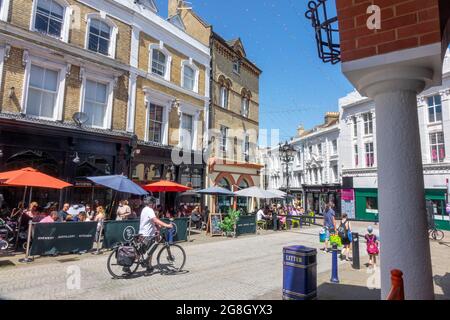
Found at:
[246, 225]
[119, 232]
[54, 238]
[182, 228]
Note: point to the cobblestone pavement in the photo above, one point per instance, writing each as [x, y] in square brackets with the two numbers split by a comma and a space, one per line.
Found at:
[223, 269]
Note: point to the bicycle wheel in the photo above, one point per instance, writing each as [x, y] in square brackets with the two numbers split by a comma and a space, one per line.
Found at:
[117, 271]
[438, 235]
[171, 258]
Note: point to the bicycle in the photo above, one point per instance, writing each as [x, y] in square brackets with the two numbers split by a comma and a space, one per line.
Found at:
[435, 234]
[171, 258]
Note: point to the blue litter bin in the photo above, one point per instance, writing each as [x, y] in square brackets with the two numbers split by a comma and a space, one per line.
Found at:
[299, 273]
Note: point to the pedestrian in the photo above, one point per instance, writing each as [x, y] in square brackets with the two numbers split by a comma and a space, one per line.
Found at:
[344, 232]
[372, 246]
[196, 218]
[329, 224]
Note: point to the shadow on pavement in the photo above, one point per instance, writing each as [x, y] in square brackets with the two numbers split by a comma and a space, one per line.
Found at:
[444, 283]
[331, 291]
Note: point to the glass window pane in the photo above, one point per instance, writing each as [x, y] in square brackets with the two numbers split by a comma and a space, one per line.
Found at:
[33, 102]
[37, 76]
[50, 80]
[48, 104]
[103, 46]
[101, 93]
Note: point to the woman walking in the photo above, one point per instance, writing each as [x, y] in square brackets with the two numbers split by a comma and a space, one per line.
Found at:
[344, 232]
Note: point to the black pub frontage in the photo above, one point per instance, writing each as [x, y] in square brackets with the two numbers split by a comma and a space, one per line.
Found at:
[65, 151]
[153, 162]
[316, 198]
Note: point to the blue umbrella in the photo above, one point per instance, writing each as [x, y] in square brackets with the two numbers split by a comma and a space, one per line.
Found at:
[217, 191]
[119, 183]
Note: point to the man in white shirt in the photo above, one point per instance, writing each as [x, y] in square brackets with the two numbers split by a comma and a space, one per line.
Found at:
[149, 226]
[260, 216]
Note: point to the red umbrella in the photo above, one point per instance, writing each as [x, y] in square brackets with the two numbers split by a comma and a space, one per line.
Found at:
[166, 186]
[29, 177]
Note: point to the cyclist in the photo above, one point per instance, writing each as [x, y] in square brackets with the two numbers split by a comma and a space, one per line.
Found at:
[149, 226]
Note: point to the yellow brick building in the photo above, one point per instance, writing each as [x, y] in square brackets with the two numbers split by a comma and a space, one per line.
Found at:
[99, 87]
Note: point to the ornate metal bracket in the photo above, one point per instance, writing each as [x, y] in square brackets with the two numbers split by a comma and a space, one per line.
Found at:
[326, 30]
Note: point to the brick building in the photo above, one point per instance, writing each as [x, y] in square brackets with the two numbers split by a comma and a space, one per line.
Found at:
[233, 115]
[97, 88]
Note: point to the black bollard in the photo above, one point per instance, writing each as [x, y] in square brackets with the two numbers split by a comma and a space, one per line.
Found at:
[275, 221]
[355, 249]
[334, 265]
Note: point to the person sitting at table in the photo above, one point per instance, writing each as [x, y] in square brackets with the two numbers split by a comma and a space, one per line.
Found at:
[82, 217]
[262, 216]
[51, 218]
[64, 212]
[196, 218]
[123, 211]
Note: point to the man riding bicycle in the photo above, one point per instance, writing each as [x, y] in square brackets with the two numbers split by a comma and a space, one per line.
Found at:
[149, 227]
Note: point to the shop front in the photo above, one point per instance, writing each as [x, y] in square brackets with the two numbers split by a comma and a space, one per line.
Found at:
[366, 206]
[70, 154]
[317, 197]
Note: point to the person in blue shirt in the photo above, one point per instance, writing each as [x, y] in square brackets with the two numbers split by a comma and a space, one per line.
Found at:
[329, 223]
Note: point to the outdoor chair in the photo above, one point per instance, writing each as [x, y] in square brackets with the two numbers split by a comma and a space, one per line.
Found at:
[295, 222]
[261, 225]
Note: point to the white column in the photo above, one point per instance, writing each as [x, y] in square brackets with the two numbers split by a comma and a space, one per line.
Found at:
[131, 110]
[403, 222]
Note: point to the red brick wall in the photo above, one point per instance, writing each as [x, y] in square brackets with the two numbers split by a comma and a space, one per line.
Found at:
[404, 24]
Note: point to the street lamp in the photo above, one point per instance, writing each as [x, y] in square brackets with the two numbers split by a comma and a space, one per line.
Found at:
[287, 154]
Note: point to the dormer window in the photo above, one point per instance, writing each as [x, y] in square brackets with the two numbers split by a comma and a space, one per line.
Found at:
[101, 36]
[52, 18]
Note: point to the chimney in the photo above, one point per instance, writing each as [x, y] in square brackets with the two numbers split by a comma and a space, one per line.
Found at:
[331, 116]
[300, 131]
[173, 7]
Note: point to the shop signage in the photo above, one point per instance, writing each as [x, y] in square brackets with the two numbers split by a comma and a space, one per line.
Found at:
[348, 202]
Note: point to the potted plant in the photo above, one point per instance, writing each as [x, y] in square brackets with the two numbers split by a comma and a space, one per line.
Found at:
[228, 225]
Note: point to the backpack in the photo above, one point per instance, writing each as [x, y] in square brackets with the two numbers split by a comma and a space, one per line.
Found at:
[372, 247]
[342, 232]
[126, 255]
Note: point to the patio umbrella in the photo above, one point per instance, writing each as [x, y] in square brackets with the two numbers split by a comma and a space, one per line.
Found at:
[279, 193]
[217, 191]
[255, 192]
[119, 183]
[166, 186]
[29, 177]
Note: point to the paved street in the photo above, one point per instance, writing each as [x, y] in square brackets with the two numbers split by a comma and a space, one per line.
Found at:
[244, 268]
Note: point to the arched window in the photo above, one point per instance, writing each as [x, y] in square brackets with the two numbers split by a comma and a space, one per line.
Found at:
[189, 75]
[224, 203]
[52, 18]
[242, 202]
[101, 35]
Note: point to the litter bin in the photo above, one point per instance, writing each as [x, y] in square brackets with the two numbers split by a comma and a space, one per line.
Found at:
[299, 273]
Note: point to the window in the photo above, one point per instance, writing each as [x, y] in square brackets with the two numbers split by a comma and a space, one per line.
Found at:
[356, 150]
[189, 78]
[247, 148]
[310, 149]
[368, 124]
[334, 144]
[4, 10]
[42, 92]
[370, 155]
[223, 140]
[335, 173]
[245, 107]
[434, 109]
[224, 94]
[95, 103]
[155, 125]
[355, 127]
[437, 147]
[187, 131]
[159, 61]
[49, 18]
[237, 66]
[319, 149]
[372, 205]
[99, 37]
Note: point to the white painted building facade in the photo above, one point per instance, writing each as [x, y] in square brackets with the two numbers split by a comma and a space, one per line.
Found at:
[358, 149]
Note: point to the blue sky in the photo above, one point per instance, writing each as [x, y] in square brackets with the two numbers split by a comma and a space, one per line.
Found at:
[296, 87]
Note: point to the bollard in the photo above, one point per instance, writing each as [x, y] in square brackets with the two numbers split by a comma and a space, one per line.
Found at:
[334, 265]
[355, 249]
[397, 290]
[27, 258]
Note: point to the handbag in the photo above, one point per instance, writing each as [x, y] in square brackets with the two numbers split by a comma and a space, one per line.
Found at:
[350, 235]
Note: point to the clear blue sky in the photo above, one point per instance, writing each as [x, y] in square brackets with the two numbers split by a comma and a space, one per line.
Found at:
[296, 87]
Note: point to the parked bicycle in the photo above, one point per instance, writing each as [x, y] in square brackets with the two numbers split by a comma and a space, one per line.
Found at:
[435, 234]
[125, 259]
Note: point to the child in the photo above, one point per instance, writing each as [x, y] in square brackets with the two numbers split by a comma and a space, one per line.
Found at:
[372, 246]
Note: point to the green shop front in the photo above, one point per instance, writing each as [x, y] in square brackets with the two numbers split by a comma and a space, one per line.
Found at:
[366, 206]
